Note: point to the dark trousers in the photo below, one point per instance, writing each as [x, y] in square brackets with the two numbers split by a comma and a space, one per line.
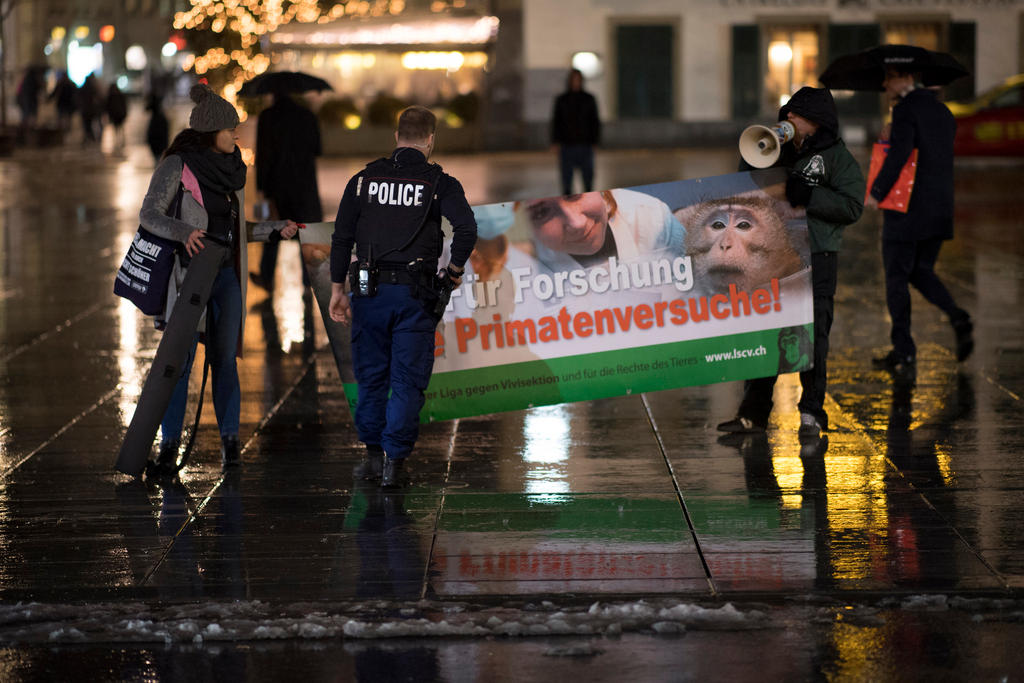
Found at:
[913, 263]
[571, 157]
[757, 393]
[392, 358]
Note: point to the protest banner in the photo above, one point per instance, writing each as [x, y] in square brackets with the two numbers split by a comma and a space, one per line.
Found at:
[611, 293]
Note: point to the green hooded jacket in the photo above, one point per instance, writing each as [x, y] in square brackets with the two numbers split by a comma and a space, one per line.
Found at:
[837, 197]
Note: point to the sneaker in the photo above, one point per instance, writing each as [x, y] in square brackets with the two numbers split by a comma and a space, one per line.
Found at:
[964, 330]
[740, 425]
[895, 363]
[230, 452]
[391, 472]
[809, 426]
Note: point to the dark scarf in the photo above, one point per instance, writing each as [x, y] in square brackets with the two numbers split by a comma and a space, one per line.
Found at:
[221, 172]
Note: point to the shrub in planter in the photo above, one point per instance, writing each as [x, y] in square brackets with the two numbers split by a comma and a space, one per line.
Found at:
[466, 107]
[339, 112]
[384, 110]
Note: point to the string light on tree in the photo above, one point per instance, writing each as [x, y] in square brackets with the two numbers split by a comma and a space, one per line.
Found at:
[230, 55]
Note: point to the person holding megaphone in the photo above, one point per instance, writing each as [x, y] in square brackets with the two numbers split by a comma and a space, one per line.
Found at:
[826, 180]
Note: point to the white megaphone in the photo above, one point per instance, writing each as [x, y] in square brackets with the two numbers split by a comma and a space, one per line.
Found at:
[760, 146]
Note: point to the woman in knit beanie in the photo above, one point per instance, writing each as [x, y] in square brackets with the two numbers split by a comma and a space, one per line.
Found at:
[195, 196]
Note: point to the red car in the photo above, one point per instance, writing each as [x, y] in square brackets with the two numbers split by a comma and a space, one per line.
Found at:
[993, 123]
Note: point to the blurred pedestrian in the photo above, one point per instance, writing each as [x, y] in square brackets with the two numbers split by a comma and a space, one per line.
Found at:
[28, 96]
[911, 240]
[287, 145]
[158, 129]
[117, 111]
[64, 94]
[826, 179]
[391, 212]
[90, 109]
[575, 129]
[204, 161]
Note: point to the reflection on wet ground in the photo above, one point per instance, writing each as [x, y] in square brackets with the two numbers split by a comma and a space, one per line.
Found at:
[917, 489]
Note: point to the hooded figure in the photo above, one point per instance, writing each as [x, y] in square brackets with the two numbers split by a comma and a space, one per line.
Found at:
[826, 180]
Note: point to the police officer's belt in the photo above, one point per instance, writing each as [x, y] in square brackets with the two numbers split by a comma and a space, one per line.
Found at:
[401, 274]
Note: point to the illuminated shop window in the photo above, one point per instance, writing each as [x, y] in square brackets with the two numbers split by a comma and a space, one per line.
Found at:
[792, 60]
[924, 34]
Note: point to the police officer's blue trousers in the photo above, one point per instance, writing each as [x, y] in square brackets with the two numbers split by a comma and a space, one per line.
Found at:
[392, 351]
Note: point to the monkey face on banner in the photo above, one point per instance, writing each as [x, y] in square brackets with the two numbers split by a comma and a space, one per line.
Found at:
[740, 240]
[574, 224]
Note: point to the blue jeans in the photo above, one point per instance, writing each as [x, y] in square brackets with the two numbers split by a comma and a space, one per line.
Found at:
[226, 310]
[392, 353]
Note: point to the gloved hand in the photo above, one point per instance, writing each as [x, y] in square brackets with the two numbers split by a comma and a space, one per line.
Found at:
[798, 192]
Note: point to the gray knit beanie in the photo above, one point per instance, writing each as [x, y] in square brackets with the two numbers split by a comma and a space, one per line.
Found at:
[212, 112]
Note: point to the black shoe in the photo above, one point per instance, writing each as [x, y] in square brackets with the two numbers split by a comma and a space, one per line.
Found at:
[230, 452]
[391, 473]
[741, 425]
[372, 466]
[166, 463]
[896, 363]
[964, 330]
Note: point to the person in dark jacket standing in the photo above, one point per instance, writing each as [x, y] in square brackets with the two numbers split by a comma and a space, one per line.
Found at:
[158, 128]
[117, 112]
[911, 240]
[575, 129]
[825, 178]
[391, 211]
[65, 92]
[287, 145]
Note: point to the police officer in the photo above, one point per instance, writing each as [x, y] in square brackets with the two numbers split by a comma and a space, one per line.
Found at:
[392, 211]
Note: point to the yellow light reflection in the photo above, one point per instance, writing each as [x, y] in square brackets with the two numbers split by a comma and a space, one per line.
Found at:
[129, 370]
[288, 296]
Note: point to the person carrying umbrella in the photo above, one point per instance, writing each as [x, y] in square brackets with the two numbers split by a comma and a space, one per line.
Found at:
[911, 240]
[287, 144]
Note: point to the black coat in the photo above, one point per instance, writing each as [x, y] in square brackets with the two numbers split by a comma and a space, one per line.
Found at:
[287, 144]
[575, 120]
[920, 121]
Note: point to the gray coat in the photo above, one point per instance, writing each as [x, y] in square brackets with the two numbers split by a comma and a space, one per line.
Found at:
[153, 216]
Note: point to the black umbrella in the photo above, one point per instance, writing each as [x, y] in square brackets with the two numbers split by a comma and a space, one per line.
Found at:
[282, 82]
[866, 70]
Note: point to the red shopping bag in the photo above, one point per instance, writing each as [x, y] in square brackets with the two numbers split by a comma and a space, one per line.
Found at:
[899, 196]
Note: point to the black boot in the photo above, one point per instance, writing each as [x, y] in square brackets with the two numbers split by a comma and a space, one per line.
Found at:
[230, 453]
[372, 465]
[964, 330]
[166, 460]
[392, 470]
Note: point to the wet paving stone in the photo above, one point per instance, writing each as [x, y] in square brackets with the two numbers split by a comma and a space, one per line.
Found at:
[918, 488]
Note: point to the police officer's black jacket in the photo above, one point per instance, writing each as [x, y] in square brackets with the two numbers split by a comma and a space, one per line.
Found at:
[384, 205]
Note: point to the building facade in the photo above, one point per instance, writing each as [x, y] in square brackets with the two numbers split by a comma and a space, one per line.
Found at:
[677, 71]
